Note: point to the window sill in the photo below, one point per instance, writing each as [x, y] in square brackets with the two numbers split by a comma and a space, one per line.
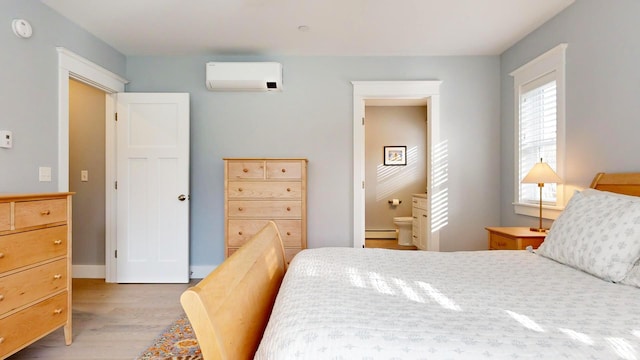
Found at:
[548, 211]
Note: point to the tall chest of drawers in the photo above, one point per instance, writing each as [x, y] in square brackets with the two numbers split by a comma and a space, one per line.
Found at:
[258, 190]
[35, 268]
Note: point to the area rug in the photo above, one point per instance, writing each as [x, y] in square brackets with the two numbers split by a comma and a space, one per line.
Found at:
[176, 342]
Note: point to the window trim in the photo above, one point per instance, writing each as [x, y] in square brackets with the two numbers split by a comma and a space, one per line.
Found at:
[551, 61]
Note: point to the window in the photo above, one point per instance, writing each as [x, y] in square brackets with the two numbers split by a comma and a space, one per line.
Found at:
[539, 104]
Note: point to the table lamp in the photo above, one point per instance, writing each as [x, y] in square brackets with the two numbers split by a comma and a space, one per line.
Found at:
[540, 174]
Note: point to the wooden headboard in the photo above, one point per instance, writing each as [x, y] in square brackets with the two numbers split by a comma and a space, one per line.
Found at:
[229, 309]
[621, 183]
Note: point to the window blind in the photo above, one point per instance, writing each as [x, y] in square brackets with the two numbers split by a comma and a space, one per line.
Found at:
[538, 134]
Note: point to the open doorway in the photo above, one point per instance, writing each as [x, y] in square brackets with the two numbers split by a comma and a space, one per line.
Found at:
[87, 176]
[367, 91]
[394, 127]
[73, 66]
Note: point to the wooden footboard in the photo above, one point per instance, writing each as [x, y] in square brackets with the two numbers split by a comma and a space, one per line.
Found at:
[229, 308]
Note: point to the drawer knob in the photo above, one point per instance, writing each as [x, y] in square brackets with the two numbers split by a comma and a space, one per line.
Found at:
[57, 311]
[240, 209]
[284, 170]
[245, 170]
[239, 189]
[288, 233]
[424, 215]
[1, 297]
[1, 255]
[288, 208]
[1, 340]
[45, 212]
[57, 276]
[239, 232]
[57, 242]
[288, 189]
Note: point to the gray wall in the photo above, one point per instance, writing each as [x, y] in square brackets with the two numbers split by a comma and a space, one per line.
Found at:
[87, 152]
[393, 126]
[602, 107]
[29, 89]
[313, 118]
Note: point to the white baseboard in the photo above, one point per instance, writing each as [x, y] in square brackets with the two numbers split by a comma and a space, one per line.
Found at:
[380, 234]
[98, 271]
[88, 271]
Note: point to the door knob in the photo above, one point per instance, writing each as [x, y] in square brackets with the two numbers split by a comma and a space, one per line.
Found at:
[182, 197]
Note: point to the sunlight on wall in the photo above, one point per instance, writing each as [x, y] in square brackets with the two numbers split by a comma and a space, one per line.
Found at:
[636, 333]
[525, 321]
[622, 348]
[390, 179]
[440, 195]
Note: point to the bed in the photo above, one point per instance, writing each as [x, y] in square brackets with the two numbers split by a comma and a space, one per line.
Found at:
[574, 298]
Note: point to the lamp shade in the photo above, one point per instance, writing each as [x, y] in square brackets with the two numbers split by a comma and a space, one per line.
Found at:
[541, 173]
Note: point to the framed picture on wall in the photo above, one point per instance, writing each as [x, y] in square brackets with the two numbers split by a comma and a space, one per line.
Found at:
[395, 155]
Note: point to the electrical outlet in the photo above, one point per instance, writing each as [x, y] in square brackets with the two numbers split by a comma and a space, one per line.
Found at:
[44, 173]
[84, 175]
[6, 139]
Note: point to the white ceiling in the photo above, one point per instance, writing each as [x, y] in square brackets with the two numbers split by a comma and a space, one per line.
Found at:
[335, 27]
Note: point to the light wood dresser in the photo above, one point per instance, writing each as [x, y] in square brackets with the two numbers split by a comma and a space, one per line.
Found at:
[35, 268]
[258, 190]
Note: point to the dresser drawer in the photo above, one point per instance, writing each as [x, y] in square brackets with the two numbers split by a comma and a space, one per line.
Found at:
[240, 231]
[26, 286]
[40, 212]
[267, 209]
[5, 216]
[289, 253]
[29, 247]
[284, 169]
[21, 328]
[264, 190]
[245, 169]
[499, 242]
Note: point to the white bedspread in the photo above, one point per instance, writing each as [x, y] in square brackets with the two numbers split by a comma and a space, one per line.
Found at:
[344, 303]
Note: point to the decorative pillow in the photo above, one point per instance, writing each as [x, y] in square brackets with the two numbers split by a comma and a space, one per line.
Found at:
[598, 232]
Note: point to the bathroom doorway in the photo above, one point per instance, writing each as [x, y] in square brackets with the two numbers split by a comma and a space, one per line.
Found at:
[393, 127]
[428, 90]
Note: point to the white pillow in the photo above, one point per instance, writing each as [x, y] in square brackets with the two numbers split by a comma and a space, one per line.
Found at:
[598, 232]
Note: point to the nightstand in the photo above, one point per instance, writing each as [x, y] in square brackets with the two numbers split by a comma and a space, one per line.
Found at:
[514, 238]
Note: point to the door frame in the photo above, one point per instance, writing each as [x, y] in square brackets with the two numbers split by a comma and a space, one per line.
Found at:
[364, 90]
[74, 66]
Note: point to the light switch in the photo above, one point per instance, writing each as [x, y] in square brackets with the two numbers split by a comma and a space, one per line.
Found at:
[6, 139]
[84, 175]
[44, 173]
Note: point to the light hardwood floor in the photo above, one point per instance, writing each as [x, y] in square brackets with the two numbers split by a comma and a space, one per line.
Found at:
[111, 321]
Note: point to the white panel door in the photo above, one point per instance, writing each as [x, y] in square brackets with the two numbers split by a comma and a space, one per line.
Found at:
[152, 188]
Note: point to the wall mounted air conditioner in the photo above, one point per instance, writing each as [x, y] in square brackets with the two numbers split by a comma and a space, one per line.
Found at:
[244, 76]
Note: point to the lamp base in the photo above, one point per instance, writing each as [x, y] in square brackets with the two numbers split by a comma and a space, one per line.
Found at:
[538, 229]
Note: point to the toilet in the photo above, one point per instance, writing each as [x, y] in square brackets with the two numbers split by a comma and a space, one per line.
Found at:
[404, 227]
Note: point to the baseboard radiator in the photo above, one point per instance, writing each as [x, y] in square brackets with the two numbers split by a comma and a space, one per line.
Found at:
[380, 234]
